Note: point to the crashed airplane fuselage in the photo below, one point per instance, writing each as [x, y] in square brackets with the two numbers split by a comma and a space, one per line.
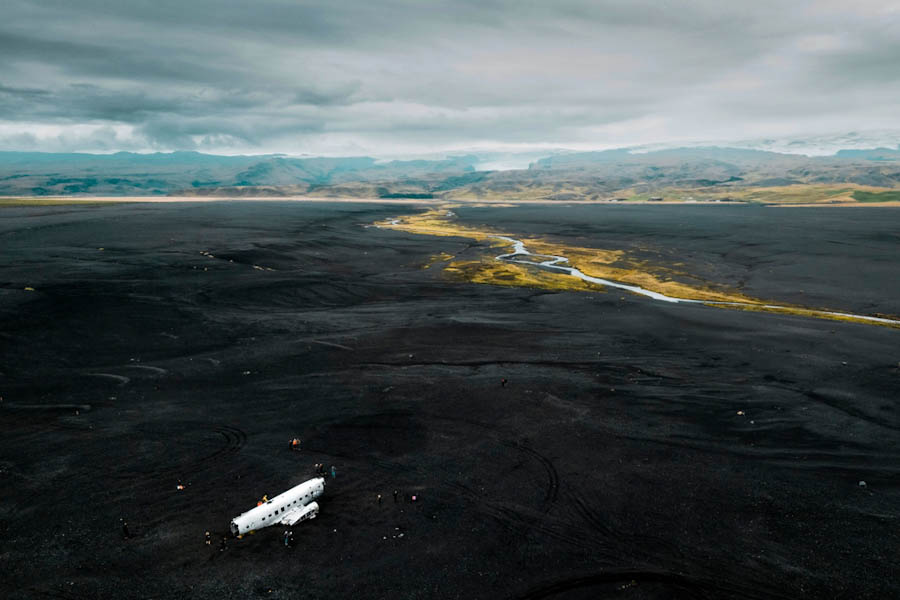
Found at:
[288, 508]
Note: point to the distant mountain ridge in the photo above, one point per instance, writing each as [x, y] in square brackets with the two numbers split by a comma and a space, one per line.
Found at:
[890, 154]
[126, 173]
[558, 176]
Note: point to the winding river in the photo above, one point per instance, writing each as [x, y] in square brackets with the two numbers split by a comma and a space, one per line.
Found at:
[557, 263]
[522, 255]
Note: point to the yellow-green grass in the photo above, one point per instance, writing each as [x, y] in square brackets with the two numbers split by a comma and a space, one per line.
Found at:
[869, 196]
[818, 314]
[802, 193]
[487, 270]
[437, 258]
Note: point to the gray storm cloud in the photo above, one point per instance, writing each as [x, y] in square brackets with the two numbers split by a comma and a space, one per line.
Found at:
[394, 77]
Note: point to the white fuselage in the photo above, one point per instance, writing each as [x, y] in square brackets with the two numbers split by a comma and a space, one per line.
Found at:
[290, 504]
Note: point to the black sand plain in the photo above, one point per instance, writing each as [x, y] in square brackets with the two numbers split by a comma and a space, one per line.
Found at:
[614, 464]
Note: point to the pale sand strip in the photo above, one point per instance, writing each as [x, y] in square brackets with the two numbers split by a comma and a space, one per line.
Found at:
[890, 204]
[414, 201]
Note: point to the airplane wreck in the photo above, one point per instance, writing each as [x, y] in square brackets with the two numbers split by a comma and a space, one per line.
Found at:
[288, 508]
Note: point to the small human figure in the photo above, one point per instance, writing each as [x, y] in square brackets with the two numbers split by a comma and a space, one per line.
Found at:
[287, 537]
[294, 444]
[333, 472]
[503, 382]
[125, 533]
[396, 493]
[413, 497]
[223, 543]
[379, 499]
[207, 538]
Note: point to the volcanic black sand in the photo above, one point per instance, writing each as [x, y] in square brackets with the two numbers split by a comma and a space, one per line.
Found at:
[639, 450]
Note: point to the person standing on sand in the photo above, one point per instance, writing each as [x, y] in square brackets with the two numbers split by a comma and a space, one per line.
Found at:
[125, 533]
[333, 472]
[379, 499]
[396, 493]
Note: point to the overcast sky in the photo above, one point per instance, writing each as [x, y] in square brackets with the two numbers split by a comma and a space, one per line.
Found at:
[398, 77]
